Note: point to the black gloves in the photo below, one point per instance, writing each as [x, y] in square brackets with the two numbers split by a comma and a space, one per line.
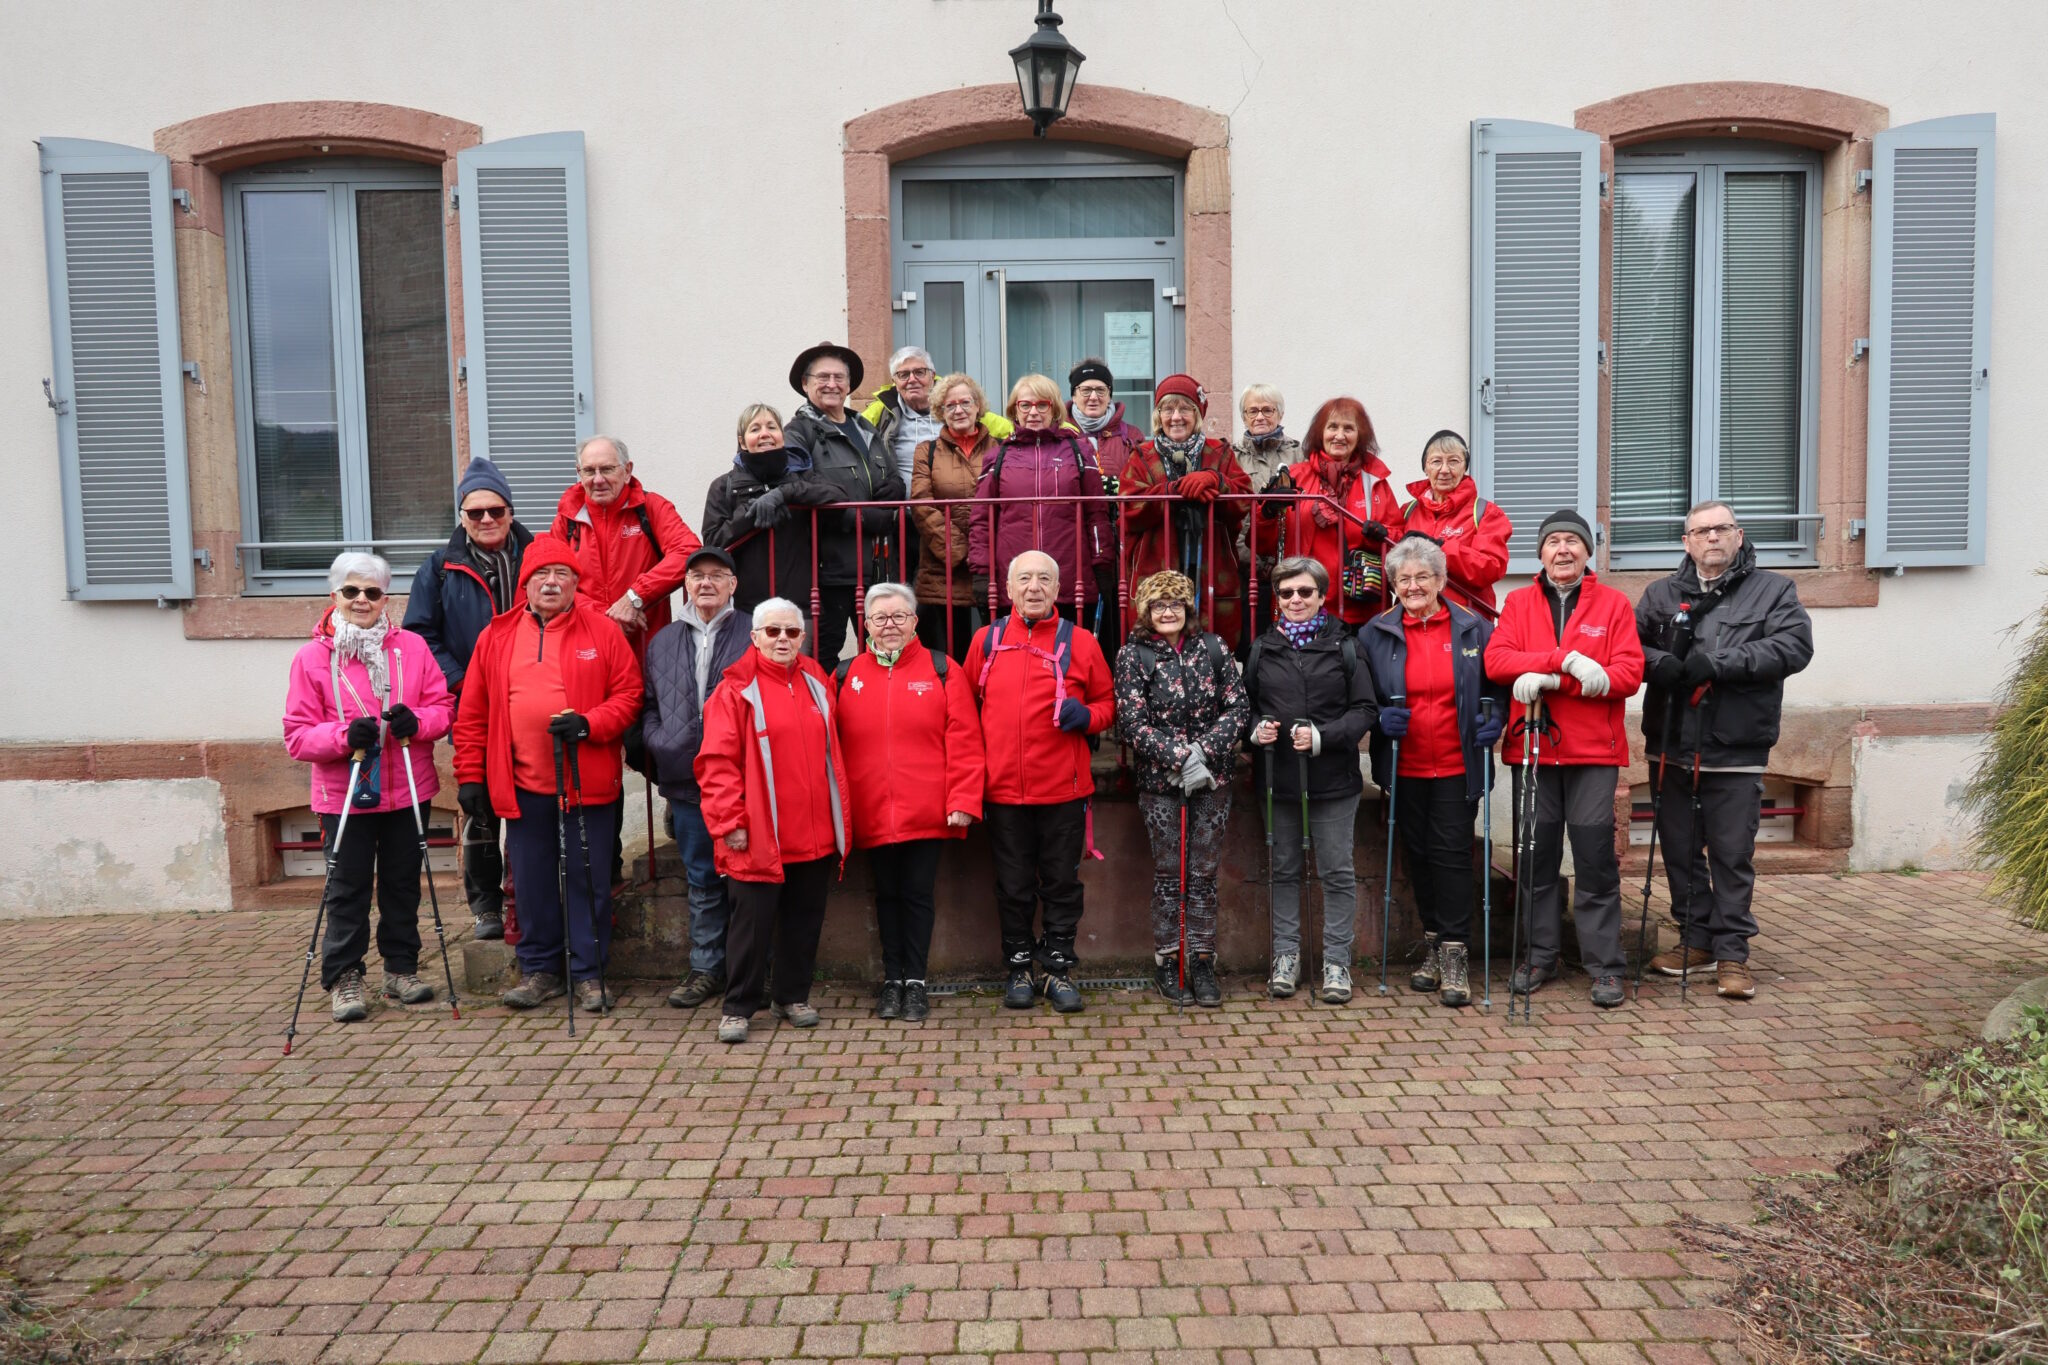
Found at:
[978, 585]
[1283, 482]
[1074, 716]
[772, 507]
[569, 726]
[1668, 673]
[404, 724]
[1375, 533]
[362, 733]
[1699, 667]
[1105, 583]
[636, 750]
[475, 800]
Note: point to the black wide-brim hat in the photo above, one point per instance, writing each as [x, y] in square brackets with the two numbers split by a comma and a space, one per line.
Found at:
[855, 371]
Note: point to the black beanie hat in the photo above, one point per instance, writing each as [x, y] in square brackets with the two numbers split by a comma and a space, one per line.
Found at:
[1565, 519]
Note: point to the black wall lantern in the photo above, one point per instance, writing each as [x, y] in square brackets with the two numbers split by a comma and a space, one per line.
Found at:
[1047, 68]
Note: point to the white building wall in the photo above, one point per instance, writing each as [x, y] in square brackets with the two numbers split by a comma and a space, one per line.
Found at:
[111, 847]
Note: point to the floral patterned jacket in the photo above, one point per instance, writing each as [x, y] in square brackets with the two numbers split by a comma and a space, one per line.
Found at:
[1167, 699]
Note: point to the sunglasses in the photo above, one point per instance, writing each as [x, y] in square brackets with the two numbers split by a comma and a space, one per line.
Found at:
[351, 592]
[1283, 594]
[781, 632]
[486, 513]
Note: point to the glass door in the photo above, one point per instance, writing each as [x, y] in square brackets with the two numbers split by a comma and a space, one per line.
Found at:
[942, 313]
[1044, 318]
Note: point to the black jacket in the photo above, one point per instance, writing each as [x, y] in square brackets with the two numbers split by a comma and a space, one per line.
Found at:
[450, 605]
[729, 524]
[1757, 634]
[1326, 681]
[859, 476]
[672, 725]
[1385, 641]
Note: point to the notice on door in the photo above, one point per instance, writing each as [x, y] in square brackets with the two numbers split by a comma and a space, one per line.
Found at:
[1127, 346]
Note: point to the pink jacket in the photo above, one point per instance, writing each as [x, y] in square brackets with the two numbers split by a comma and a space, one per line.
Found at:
[316, 725]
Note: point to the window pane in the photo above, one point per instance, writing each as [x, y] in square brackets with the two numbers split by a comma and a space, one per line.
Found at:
[1761, 293]
[945, 325]
[291, 364]
[1107, 206]
[1651, 456]
[405, 367]
[1053, 324]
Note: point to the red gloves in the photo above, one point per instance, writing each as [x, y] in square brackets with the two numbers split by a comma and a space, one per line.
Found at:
[1201, 486]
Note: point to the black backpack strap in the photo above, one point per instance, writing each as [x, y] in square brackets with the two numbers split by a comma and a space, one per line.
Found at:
[647, 529]
[940, 663]
[839, 673]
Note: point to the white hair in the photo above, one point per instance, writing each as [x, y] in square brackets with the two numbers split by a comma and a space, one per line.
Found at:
[770, 606]
[1265, 391]
[881, 590]
[1417, 549]
[910, 353]
[614, 442]
[356, 564]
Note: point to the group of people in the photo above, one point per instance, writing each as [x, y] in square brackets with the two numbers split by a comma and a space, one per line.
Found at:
[1134, 610]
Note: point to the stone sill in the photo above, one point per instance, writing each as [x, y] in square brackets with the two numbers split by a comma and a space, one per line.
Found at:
[262, 618]
[1817, 587]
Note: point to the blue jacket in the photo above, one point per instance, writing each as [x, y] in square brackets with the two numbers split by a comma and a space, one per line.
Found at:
[450, 603]
[672, 725]
[1386, 653]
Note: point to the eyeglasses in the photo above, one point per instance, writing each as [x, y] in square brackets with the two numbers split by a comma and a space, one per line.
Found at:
[700, 576]
[1725, 528]
[486, 513]
[1262, 412]
[597, 471]
[919, 373]
[828, 378]
[890, 618]
[1282, 594]
[960, 405]
[781, 632]
[1032, 405]
[1174, 607]
[1404, 582]
[350, 592]
[1092, 390]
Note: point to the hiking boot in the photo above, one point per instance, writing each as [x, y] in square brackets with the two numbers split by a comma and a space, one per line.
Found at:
[891, 1004]
[488, 927]
[592, 997]
[1608, 992]
[1336, 983]
[1733, 980]
[533, 989]
[349, 1005]
[1678, 961]
[1529, 978]
[1454, 960]
[406, 988]
[1286, 975]
[732, 1029]
[1019, 993]
[1059, 988]
[698, 987]
[799, 1014]
[1166, 977]
[1202, 981]
[917, 1002]
[1430, 974]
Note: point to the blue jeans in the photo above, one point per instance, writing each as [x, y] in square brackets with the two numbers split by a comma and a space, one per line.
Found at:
[710, 906]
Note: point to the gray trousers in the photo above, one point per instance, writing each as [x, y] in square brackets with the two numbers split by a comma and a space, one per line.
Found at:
[1332, 827]
[1577, 802]
[1712, 912]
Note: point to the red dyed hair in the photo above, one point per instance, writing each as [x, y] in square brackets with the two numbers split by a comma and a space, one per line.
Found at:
[1368, 442]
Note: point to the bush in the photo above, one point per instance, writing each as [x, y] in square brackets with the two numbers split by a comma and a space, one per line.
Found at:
[2009, 791]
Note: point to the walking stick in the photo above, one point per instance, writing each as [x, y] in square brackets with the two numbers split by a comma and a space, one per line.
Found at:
[1267, 720]
[1525, 855]
[355, 768]
[1387, 901]
[589, 882]
[1486, 710]
[1182, 1001]
[562, 877]
[1694, 842]
[1650, 870]
[433, 896]
[1301, 770]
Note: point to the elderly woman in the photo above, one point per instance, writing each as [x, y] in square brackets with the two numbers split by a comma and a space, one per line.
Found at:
[1180, 705]
[1187, 530]
[775, 800]
[913, 750]
[1341, 465]
[949, 466]
[1427, 656]
[1044, 458]
[363, 689]
[1447, 508]
[1312, 705]
[1263, 451]
[759, 510]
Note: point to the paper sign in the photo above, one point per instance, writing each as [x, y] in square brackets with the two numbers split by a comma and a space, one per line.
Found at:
[1127, 346]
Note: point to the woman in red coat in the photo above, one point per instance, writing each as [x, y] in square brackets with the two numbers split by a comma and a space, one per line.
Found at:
[1447, 508]
[1195, 535]
[1342, 462]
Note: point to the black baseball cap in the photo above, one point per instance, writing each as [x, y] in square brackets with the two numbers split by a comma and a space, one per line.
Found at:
[710, 552]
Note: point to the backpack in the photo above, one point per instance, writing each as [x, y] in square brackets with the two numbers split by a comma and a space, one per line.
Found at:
[646, 528]
[940, 665]
[1479, 506]
[1212, 644]
[1062, 650]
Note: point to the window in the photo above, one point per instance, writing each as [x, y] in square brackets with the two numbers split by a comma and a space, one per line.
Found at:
[1715, 345]
[343, 403]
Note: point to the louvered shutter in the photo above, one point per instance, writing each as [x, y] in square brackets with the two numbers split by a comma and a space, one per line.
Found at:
[526, 312]
[1535, 322]
[118, 384]
[1930, 341]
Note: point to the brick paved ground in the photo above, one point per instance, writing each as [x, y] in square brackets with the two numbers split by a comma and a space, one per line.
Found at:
[1272, 1184]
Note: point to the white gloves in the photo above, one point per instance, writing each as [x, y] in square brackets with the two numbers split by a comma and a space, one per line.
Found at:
[1530, 686]
[1194, 773]
[1592, 677]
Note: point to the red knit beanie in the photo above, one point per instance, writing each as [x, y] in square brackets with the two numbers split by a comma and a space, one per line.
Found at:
[543, 551]
[1184, 386]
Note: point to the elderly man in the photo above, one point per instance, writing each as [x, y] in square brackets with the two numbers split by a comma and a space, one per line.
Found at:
[846, 452]
[684, 665]
[456, 592]
[1719, 638]
[1567, 644]
[1043, 688]
[631, 545]
[901, 412]
[557, 671]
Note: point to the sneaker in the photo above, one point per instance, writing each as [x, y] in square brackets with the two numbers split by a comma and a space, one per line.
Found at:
[349, 1005]
[1454, 959]
[1429, 975]
[799, 1014]
[1202, 981]
[917, 1002]
[533, 988]
[1733, 980]
[732, 1029]
[1020, 993]
[1678, 961]
[1608, 992]
[1528, 978]
[1059, 988]
[1286, 975]
[891, 1004]
[698, 987]
[406, 988]
[1166, 978]
[1336, 983]
[488, 927]
[592, 997]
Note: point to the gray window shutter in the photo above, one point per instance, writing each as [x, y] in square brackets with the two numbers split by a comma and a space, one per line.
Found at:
[1930, 342]
[118, 386]
[1535, 322]
[526, 312]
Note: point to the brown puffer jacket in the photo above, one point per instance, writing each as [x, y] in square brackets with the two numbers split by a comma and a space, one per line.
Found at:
[940, 469]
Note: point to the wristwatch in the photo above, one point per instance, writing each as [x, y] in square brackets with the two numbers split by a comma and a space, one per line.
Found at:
[634, 598]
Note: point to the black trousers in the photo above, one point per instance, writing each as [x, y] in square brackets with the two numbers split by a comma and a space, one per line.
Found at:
[380, 851]
[1037, 855]
[1433, 821]
[906, 878]
[1579, 802]
[483, 865]
[1711, 869]
[775, 924]
[931, 628]
[835, 614]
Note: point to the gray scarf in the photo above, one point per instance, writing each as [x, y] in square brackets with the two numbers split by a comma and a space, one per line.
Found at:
[497, 570]
[366, 646]
[1094, 425]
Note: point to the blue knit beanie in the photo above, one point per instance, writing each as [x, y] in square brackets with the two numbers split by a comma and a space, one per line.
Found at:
[482, 475]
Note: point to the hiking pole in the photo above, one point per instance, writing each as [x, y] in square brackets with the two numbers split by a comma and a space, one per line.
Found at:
[1268, 720]
[1650, 871]
[1486, 709]
[355, 768]
[1301, 911]
[1182, 999]
[1525, 855]
[433, 896]
[589, 882]
[1693, 842]
[562, 876]
[1387, 902]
